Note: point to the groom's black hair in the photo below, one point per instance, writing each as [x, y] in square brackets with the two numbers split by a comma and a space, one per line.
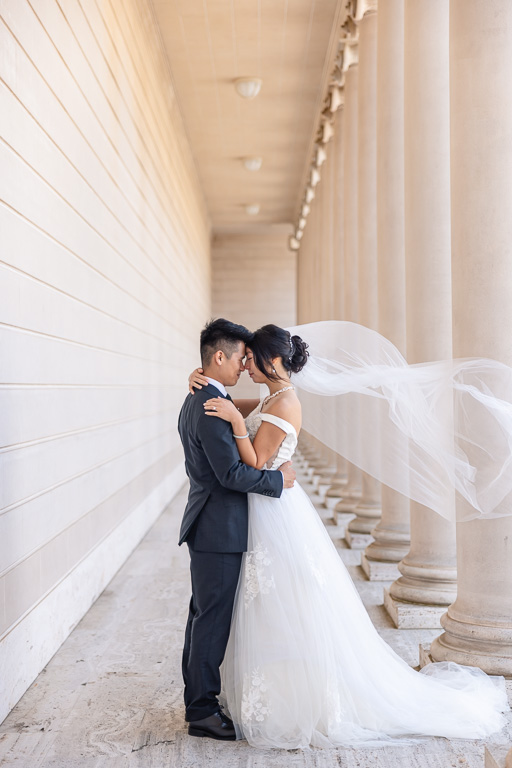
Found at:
[224, 335]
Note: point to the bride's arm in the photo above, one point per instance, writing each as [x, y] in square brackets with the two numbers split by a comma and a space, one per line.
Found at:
[266, 443]
[196, 380]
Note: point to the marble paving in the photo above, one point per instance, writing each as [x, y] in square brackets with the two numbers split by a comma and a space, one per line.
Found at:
[111, 697]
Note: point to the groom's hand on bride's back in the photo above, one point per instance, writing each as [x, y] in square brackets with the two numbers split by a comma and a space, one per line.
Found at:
[288, 474]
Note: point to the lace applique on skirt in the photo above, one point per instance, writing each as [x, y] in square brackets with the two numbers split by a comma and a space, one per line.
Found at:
[257, 579]
[255, 704]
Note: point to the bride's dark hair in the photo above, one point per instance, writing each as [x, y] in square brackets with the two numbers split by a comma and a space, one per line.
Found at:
[269, 342]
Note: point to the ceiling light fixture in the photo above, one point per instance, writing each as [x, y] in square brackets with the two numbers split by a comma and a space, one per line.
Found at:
[248, 87]
[252, 209]
[253, 163]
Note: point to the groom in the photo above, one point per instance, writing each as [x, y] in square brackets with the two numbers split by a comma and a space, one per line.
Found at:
[215, 525]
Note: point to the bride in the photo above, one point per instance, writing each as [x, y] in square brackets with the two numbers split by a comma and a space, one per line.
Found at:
[304, 664]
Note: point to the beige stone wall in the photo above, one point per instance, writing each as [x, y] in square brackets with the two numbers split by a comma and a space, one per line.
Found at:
[254, 283]
[105, 284]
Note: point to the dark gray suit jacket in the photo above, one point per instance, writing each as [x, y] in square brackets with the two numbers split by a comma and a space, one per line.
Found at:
[215, 518]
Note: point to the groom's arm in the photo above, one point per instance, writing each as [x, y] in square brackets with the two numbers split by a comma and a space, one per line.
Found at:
[218, 444]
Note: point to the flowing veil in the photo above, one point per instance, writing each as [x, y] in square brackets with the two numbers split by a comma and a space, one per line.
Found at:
[439, 433]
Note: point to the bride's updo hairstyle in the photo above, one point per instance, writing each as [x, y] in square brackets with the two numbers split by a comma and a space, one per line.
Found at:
[269, 342]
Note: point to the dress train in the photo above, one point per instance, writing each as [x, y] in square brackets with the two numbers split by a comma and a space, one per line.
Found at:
[304, 663]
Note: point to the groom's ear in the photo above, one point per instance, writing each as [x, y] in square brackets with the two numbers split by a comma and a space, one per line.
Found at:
[218, 357]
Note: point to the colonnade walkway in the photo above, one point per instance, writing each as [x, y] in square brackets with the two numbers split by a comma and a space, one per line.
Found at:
[111, 697]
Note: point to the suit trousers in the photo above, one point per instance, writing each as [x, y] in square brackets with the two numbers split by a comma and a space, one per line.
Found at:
[214, 582]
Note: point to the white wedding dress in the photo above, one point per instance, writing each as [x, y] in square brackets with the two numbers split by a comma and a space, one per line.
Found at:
[304, 664]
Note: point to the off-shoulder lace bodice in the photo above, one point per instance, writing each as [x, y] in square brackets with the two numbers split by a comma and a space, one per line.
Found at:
[287, 447]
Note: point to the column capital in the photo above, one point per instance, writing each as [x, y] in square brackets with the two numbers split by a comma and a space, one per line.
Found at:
[365, 7]
[350, 55]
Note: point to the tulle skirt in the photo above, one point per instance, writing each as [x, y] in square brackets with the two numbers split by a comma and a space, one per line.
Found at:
[304, 664]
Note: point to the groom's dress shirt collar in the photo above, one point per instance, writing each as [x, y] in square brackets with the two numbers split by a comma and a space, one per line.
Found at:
[220, 387]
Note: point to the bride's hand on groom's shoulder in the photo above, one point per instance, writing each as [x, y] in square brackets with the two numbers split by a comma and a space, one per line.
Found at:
[197, 380]
[222, 408]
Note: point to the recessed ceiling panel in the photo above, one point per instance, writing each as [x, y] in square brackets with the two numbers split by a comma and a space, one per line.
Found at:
[286, 43]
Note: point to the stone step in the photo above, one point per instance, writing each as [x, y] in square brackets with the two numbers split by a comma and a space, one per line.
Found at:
[412, 615]
[377, 570]
[358, 540]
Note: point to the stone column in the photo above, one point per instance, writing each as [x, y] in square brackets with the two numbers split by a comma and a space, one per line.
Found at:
[478, 626]
[328, 178]
[325, 463]
[352, 492]
[339, 480]
[338, 182]
[319, 264]
[428, 582]
[327, 221]
[368, 508]
[391, 533]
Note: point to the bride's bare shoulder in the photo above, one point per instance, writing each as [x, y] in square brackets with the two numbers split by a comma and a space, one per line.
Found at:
[287, 407]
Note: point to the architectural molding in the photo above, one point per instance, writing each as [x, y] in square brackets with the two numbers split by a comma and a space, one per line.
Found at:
[346, 55]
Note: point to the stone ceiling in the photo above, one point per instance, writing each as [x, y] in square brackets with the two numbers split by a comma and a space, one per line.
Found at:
[290, 45]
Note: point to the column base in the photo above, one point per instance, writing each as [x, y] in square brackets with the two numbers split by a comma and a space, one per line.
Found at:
[320, 485]
[310, 473]
[356, 540]
[425, 584]
[331, 502]
[338, 485]
[366, 518]
[318, 465]
[498, 756]
[347, 504]
[377, 570]
[391, 545]
[475, 645]
[342, 518]
[412, 615]
[334, 494]
[424, 655]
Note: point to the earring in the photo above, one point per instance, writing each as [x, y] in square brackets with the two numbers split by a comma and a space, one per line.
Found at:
[273, 369]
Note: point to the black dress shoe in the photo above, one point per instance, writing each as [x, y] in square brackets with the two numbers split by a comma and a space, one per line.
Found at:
[216, 726]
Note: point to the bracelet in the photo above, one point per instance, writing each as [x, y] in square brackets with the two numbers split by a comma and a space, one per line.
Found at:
[241, 437]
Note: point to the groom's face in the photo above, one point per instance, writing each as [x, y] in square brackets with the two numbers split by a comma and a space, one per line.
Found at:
[233, 366]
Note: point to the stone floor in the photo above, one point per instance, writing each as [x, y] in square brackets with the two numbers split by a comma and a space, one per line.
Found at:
[111, 697]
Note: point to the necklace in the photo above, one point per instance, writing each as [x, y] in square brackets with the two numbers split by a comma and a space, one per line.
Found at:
[269, 397]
